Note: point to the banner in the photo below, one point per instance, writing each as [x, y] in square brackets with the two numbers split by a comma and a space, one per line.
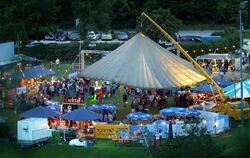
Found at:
[21, 90]
[110, 131]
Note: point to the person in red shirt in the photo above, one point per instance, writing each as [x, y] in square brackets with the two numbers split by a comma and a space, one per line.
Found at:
[100, 96]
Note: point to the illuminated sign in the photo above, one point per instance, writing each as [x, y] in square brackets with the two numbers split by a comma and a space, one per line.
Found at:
[73, 100]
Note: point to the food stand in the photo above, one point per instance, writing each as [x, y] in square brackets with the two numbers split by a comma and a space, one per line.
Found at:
[82, 123]
[104, 109]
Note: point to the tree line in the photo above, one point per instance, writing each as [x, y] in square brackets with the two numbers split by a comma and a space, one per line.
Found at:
[32, 19]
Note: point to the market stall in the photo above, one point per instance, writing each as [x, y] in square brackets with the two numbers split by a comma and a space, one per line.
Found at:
[82, 122]
[39, 112]
[234, 92]
[31, 77]
[105, 110]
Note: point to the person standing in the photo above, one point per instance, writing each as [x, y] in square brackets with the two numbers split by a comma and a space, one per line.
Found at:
[125, 99]
[52, 90]
[110, 117]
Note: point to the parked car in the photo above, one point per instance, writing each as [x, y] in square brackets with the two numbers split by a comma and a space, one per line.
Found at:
[123, 36]
[107, 36]
[74, 36]
[61, 35]
[92, 35]
[49, 36]
[190, 39]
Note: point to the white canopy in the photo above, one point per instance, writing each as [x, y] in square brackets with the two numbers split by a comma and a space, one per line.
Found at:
[213, 56]
[140, 62]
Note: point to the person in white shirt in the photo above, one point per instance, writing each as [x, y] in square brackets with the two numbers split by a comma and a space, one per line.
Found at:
[110, 117]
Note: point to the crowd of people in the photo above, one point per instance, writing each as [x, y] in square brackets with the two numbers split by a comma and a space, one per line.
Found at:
[220, 66]
[142, 99]
[67, 87]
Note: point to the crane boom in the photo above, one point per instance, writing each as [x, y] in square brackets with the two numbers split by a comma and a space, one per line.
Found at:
[196, 65]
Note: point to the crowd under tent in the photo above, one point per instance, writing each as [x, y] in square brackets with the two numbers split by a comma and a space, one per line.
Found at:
[141, 62]
[220, 57]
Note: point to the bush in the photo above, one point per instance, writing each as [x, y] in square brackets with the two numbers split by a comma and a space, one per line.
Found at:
[196, 145]
[5, 131]
[65, 52]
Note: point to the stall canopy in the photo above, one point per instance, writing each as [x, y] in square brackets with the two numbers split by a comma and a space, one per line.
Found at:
[81, 114]
[223, 82]
[234, 91]
[139, 116]
[107, 106]
[40, 112]
[205, 88]
[179, 112]
[35, 72]
[217, 56]
[140, 62]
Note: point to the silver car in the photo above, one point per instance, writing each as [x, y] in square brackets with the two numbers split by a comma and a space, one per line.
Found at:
[92, 35]
[123, 36]
[106, 36]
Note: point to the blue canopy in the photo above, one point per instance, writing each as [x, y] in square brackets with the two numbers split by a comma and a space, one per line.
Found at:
[109, 107]
[54, 108]
[139, 116]
[223, 82]
[234, 91]
[40, 112]
[205, 88]
[160, 123]
[179, 112]
[36, 71]
[52, 103]
[81, 114]
[234, 86]
[95, 107]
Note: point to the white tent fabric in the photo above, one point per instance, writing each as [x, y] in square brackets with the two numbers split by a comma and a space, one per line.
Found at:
[140, 62]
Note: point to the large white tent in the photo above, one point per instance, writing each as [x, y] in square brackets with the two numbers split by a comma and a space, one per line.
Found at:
[140, 62]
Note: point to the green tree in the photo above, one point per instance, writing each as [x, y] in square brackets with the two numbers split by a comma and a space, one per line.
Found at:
[194, 11]
[165, 19]
[94, 15]
[26, 19]
[124, 14]
[227, 11]
[64, 16]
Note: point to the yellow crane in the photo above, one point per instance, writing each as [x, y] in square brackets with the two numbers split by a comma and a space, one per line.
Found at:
[196, 65]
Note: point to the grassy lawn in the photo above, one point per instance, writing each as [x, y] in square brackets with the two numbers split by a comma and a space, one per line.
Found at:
[102, 149]
[11, 118]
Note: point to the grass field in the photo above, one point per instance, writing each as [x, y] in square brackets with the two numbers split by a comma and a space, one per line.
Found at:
[102, 149]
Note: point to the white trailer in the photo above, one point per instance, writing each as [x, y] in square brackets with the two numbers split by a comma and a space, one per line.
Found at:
[33, 131]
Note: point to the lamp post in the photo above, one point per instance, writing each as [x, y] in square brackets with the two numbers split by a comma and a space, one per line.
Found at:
[243, 5]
